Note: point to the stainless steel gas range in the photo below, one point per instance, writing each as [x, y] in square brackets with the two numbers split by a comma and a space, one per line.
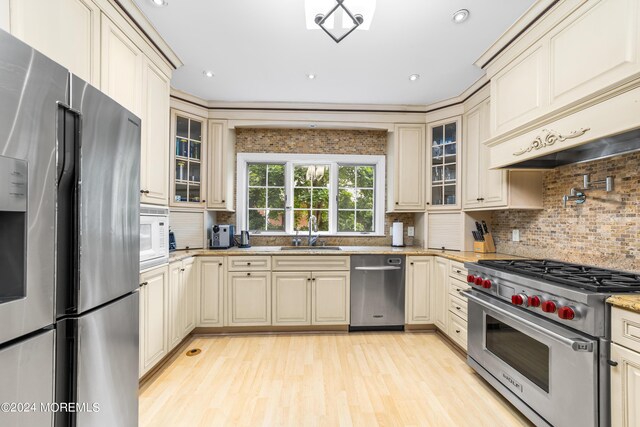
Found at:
[539, 333]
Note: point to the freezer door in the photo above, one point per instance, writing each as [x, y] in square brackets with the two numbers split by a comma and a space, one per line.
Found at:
[97, 365]
[30, 87]
[26, 369]
[109, 201]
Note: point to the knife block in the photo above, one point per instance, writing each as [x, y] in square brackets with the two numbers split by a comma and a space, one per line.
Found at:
[486, 247]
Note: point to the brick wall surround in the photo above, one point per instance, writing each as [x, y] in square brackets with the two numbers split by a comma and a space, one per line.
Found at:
[605, 231]
[317, 141]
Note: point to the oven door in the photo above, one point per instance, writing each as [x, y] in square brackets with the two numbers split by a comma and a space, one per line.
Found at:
[552, 369]
[154, 245]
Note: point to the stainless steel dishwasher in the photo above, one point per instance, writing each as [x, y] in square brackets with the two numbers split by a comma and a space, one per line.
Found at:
[377, 292]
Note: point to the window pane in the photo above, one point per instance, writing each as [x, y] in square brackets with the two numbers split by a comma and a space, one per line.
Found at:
[300, 177]
[346, 199]
[276, 175]
[346, 220]
[436, 195]
[449, 194]
[301, 198]
[436, 155]
[275, 220]
[182, 147]
[276, 198]
[257, 219]
[365, 199]
[321, 198]
[437, 135]
[182, 126]
[257, 198]
[436, 174]
[450, 172]
[194, 150]
[196, 130]
[323, 220]
[181, 170]
[321, 177]
[365, 176]
[301, 220]
[194, 172]
[194, 193]
[346, 176]
[364, 221]
[257, 174]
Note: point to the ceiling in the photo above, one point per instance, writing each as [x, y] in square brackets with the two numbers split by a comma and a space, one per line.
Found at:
[262, 51]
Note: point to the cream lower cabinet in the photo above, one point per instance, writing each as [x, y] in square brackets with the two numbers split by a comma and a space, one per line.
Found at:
[330, 293]
[418, 301]
[181, 311]
[625, 369]
[248, 298]
[211, 296]
[439, 306]
[291, 299]
[154, 325]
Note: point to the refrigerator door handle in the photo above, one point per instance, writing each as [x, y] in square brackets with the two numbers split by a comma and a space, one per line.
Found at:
[68, 167]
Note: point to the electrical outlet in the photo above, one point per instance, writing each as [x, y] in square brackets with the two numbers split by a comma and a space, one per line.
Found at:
[515, 235]
[411, 231]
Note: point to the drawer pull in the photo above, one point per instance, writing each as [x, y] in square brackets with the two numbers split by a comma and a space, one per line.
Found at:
[458, 290]
[458, 271]
[144, 283]
[612, 363]
[457, 331]
[248, 263]
[248, 274]
[457, 308]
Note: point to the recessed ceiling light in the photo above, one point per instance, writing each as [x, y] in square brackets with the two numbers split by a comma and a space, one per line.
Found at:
[208, 73]
[311, 76]
[460, 16]
[159, 3]
[414, 77]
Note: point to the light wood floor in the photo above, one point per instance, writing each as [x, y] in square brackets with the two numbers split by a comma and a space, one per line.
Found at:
[360, 379]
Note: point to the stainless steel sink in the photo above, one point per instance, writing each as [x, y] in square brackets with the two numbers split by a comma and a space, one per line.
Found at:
[314, 248]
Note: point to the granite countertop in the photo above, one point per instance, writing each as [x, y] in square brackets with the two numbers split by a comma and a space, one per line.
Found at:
[626, 301]
[345, 250]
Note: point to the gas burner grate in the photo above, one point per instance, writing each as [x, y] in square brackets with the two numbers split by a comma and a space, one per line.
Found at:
[580, 276]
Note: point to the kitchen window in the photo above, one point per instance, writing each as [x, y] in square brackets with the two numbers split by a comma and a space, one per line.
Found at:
[278, 193]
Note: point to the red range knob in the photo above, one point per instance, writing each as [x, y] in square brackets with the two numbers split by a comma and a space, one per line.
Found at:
[566, 313]
[534, 301]
[486, 284]
[549, 306]
[478, 281]
[517, 299]
[471, 278]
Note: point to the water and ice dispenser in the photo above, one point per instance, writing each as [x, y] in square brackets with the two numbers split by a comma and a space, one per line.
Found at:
[13, 233]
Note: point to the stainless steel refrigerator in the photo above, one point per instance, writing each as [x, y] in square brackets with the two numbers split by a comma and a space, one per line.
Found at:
[69, 247]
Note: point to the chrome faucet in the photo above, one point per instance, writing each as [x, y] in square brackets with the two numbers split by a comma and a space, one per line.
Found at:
[574, 194]
[313, 221]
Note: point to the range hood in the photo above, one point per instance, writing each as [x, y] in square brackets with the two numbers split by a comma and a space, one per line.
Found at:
[602, 148]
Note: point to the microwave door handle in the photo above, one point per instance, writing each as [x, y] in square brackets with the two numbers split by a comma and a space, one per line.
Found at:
[576, 344]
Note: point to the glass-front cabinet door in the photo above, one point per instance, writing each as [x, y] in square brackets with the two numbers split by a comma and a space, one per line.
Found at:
[443, 189]
[187, 172]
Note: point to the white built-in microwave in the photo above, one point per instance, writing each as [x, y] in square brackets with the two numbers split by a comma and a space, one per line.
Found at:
[154, 236]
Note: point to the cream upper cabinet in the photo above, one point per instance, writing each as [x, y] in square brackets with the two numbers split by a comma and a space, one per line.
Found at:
[188, 155]
[563, 83]
[154, 155]
[154, 322]
[419, 296]
[221, 167]
[249, 298]
[443, 170]
[122, 65]
[67, 31]
[406, 168]
[211, 301]
[291, 299]
[330, 292]
[440, 301]
[486, 188]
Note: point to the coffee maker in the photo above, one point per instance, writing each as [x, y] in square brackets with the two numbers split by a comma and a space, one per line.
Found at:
[222, 236]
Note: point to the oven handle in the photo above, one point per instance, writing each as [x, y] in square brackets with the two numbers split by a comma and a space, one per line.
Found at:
[576, 344]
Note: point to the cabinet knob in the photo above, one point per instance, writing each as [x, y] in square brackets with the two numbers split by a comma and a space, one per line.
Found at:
[457, 331]
[612, 362]
[182, 269]
[223, 201]
[411, 263]
[248, 274]
[397, 203]
[457, 308]
[144, 284]
[203, 201]
[144, 191]
[220, 264]
[458, 271]
[248, 263]
[314, 279]
[308, 279]
[428, 203]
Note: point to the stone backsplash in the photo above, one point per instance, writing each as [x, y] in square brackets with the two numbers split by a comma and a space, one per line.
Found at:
[605, 231]
[317, 141]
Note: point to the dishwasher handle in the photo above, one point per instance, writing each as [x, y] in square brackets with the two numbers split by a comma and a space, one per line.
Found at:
[378, 268]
